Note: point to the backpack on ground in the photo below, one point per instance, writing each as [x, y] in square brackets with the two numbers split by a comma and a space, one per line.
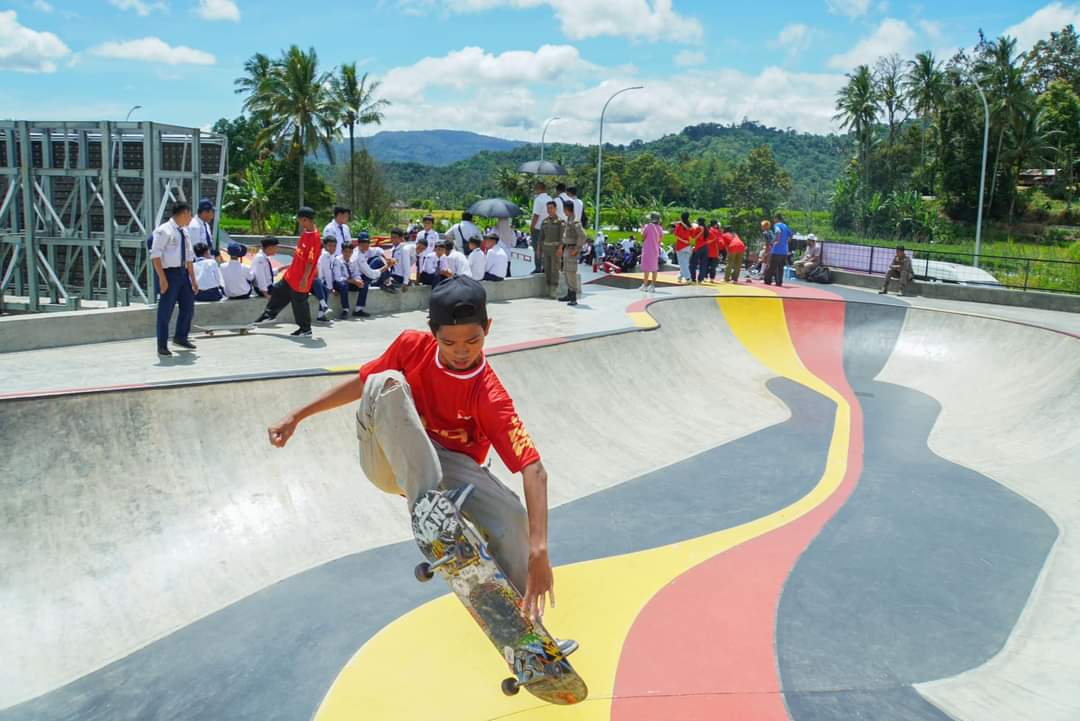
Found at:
[820, 274]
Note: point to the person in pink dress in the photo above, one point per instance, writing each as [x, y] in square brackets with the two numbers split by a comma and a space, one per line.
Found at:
[651, 235]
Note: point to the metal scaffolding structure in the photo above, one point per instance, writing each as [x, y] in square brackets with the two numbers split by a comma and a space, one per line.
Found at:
[79, 199]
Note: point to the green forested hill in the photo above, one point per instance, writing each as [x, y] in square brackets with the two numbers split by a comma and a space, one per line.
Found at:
[686, 168]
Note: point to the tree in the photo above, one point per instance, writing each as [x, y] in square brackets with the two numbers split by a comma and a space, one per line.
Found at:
[889, 86]
[299, 112]
[358, 105]
[242, 134]
[1030, 142]
[924, 87]
[1057, 58]
[1003, 77]
[253, 194]
[760, 182]
[365, 180]
[857, 112]
[1059, 107]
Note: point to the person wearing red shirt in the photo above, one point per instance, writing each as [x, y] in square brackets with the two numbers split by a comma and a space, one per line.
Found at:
[683, 247]
[431, 408]
[715, 246]
[296, 283]
[736, 248]
[699, 260]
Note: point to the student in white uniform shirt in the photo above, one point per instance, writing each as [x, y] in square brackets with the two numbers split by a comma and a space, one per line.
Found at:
[355, 279]
[235, 277]
[506, 239]
[323, 285]
[451, 260]
[338, 228]
[539, 212]
[427, 264]
[201, 228]
[207, 276]
[172, 256]
[262, 270]
[461, 232]
[560, 193]
[495, 260]
[579, 206]
[403, 256]
[428, 233]
[370, 263]
[339, 277]
[477, 259]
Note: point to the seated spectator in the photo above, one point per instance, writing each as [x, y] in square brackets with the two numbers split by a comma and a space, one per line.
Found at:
[900, 270]
[355, 280]
[587, 253]
[235, 277]
[427, 263]
[208, 280]
[496, 261]
[262, 270]
[451, 260]
[477, 260]
[811, 258]
[369, 265]
[339, 279]
[323, 285]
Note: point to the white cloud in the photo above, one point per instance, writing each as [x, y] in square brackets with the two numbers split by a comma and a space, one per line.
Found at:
[141, 7]
[153, 50]
[26, 50]
[43, 6]
[849, 8]
[686, 58]
[890, 36]
[580, 19]
[1051, 18]
[218, 10]
[471, 67]
[932, 29]
[793, 38]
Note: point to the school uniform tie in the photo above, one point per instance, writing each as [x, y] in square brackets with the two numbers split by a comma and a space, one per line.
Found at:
[206, 232]
[341, 232]
[183, 248]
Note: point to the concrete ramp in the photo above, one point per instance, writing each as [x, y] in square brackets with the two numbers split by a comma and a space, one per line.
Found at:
[769, 507]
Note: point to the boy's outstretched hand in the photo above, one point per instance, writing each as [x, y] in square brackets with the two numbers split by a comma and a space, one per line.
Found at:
[541, 582]
[282, 431]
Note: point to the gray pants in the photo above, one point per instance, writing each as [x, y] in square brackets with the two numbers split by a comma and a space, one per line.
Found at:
[398, 457]
[570, 271]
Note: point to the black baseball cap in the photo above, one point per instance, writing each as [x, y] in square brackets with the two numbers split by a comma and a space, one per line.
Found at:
[306, 212]
[458, 300]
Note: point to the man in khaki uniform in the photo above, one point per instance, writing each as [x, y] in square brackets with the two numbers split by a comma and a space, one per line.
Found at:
[900, 269]
[551, 234]
[573, 241]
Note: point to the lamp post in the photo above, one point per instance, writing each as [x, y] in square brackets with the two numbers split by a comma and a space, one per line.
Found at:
[982, 175]
[543, 134]
[600, 155]
[133, 109]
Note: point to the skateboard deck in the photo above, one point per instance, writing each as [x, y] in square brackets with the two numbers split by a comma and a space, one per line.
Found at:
[238, 329]
[456, 552]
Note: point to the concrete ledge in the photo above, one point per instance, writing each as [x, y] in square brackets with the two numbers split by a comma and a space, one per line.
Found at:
[53, 330]
[1040, 300]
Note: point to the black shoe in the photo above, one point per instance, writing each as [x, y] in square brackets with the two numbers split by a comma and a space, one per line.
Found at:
[163, 351]
[184, 343]
[389, 288]
[573, 298]
[358, 313]
[566, 298]
[301, 333]
[264, 318]
[343, 315]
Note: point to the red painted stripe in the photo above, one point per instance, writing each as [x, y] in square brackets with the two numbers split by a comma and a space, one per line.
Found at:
[704, 647]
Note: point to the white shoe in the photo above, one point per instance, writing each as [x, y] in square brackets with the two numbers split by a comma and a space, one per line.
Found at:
[644, 287]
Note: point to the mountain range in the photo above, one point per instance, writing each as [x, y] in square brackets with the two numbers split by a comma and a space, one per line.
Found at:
[431, 147]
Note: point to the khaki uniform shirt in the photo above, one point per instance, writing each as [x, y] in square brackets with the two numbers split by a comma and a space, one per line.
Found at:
[573, 235]
[551, 233]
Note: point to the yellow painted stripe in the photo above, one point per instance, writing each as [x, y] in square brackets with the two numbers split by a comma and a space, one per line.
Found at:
[434, 663]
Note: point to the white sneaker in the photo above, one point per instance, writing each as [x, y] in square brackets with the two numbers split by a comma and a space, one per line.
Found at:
[644, 287]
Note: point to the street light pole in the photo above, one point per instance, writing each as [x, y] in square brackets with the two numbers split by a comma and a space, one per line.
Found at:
[543, 134]
[133, 109]
[982, 175]
[600, 156]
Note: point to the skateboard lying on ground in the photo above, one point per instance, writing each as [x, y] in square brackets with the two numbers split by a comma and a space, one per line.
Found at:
[455, 550]
[238, 329]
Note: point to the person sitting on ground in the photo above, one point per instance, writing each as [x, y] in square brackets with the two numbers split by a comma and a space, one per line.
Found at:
[477, 261]
[495, 260]
[235, 277]
[900, 270]
[323, 285]
[811, 258]
[356, 281]
[262, 270]
[207, 276]
[427, 263]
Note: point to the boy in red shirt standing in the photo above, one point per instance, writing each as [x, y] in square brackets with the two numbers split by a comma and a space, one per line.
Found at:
[736, 248]
[296, 284]
[431, 408]
[715, 245]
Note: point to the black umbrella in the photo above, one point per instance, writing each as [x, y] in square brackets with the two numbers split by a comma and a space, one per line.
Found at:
[494, 208]
[542, 167]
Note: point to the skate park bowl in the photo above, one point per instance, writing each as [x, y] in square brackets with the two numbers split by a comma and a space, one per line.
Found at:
[763, 508]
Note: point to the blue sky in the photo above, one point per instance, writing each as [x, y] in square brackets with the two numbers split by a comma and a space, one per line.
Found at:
[500, 67]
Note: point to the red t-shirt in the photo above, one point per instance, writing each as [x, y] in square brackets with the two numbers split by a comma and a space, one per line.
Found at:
[682, 236]
[468, 412]
[735, 244]
[697, 235]
[715, 240]
[307, 251]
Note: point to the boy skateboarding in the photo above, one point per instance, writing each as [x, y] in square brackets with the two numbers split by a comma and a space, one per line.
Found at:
[430, 410]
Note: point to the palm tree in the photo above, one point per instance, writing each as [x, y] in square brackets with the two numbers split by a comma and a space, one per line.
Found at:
[1031, 141]
[857, 111]
[256, 69]
[924, 86]
[299, 112]
[359, 105]
[1003, 74]
[253, 193]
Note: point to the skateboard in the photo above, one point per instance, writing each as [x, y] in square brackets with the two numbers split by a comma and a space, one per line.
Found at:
[455, 550]
[239, 329]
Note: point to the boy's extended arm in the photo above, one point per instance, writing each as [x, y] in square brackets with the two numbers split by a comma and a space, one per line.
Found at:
[541, 581]
[347, 392]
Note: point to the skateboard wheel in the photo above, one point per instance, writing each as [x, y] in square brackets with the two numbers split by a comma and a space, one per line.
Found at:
[423, 572]
[510, 686]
